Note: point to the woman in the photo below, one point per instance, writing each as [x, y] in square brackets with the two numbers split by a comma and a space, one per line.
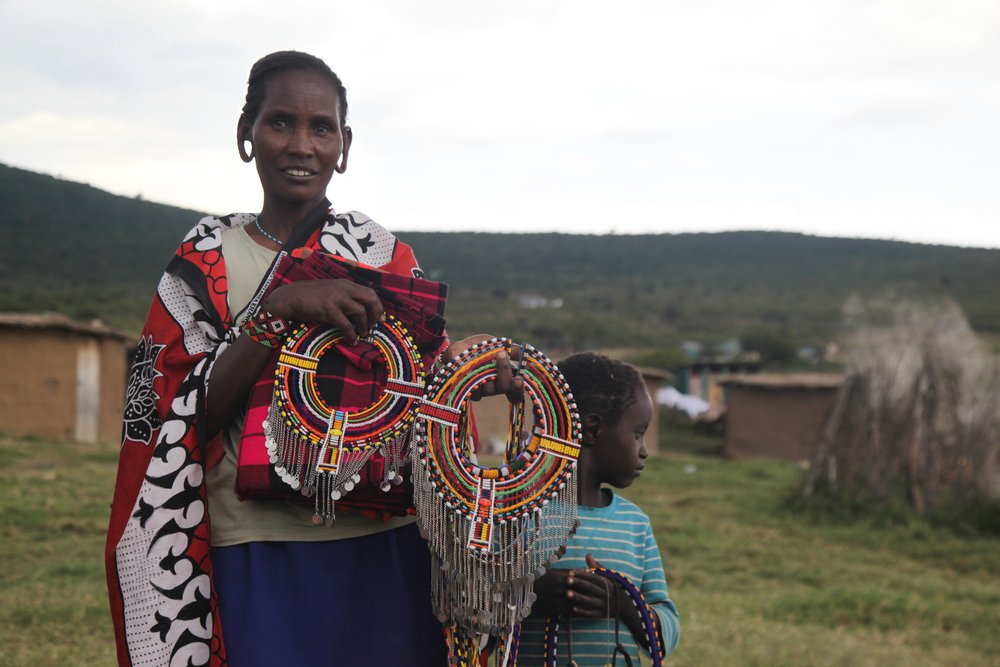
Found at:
[280, 588]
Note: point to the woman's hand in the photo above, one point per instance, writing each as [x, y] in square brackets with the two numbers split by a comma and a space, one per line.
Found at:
[506, 383]
[353, 309]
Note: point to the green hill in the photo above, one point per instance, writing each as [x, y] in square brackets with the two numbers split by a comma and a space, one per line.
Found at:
[76, 249]
[72, 248]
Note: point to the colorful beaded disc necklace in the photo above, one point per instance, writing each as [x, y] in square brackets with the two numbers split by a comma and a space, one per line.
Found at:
[492, 531]
[319, 448]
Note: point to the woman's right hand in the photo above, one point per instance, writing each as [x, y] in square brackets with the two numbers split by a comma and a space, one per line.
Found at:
[353, 309]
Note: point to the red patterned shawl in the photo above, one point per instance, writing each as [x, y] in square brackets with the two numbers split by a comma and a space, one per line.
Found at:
[157, 552]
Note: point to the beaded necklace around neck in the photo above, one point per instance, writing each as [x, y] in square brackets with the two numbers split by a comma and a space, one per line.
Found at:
[256, 221]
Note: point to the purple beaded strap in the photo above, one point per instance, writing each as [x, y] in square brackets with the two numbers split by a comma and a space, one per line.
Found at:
[656, 648]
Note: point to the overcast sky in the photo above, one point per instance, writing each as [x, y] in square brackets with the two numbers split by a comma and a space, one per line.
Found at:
[874, 118]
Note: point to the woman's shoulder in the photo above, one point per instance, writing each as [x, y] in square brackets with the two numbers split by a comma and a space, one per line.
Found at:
[356, 218]
[355, 235]
[357, 223]
[208, 230]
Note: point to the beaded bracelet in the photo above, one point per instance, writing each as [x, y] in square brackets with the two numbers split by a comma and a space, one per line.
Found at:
[265, 329]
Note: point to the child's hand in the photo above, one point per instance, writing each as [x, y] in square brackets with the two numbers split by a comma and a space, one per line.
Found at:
[591, 595]
[551, 590]
[579, 593]
[624, 607]
[571, 593]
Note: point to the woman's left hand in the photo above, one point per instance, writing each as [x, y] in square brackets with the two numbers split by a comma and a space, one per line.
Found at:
[506, 382]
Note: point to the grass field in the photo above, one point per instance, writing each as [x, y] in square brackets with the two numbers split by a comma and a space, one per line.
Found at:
[757, 582]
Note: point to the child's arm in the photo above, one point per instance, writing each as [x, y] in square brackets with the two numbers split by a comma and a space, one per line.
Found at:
[654, 590]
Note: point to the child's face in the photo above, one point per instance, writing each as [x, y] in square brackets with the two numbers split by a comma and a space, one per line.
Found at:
[620, 450]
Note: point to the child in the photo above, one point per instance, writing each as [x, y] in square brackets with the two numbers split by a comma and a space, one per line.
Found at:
[615, 410]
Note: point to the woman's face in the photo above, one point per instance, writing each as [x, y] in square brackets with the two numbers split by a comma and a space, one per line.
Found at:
[297, 136]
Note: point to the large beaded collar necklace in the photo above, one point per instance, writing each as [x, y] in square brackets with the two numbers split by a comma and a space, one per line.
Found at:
[318, 448]
[493, 530]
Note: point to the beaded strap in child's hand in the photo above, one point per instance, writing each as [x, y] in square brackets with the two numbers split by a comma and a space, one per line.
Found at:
[655, 642]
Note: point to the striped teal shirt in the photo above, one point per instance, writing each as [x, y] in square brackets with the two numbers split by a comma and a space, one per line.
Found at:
[621, 538]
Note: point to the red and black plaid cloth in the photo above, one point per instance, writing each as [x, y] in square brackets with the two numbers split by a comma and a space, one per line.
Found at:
[351, 380]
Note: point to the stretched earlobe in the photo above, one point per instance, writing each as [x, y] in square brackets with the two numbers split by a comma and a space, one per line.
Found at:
[348, 137]
[245, 154]
[243, 133]
[342, 167]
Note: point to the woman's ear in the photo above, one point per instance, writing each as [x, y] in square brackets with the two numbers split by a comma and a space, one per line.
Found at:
[243, 133]
[348, 137]
[591, 427]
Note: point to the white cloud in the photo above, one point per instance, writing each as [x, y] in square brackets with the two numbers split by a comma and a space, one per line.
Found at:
[822, 116]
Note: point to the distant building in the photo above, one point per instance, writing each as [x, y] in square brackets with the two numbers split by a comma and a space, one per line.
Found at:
[777, 416]
[64, 379]
[702, 377]
[534, 302]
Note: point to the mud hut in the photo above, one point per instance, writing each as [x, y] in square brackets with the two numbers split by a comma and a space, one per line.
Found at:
[65, 379]
[777, 416]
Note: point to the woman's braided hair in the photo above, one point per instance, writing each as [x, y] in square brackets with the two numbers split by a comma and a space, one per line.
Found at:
[282, 61]
[601, 385]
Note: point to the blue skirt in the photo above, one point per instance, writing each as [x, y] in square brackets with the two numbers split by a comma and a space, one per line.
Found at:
[341, 603]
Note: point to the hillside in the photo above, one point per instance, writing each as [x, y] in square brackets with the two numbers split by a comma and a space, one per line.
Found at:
[72, 248]
[76, 249]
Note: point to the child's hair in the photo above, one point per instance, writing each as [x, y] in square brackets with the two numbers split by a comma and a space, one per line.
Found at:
[601, 385]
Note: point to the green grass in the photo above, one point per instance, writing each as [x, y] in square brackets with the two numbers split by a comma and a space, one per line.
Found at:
[54, 508]
[758, 580]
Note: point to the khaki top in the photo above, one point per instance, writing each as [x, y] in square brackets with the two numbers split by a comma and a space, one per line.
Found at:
[265, 520]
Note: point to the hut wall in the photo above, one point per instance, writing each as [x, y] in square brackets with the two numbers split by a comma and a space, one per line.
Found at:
[38, 396]
[61, 384]
[775, 422]
[115, 363]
